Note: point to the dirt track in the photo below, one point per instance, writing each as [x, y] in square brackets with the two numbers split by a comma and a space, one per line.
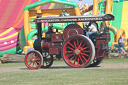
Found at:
[21, 67]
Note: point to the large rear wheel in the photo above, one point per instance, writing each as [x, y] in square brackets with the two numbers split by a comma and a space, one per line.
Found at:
[78, 51]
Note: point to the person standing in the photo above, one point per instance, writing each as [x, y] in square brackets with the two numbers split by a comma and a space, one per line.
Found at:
[121, 43]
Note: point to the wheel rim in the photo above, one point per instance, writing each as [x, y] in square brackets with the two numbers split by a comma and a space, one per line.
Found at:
[33, 59]
[47, 60]
[77, 51]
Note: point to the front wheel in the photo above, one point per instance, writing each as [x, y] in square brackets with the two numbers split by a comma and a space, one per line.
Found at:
[33, 59]
[78, 51]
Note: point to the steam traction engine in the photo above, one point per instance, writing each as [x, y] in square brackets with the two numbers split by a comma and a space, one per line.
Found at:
[76, 49]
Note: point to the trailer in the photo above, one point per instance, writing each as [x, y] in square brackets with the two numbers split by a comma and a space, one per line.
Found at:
[76, 49]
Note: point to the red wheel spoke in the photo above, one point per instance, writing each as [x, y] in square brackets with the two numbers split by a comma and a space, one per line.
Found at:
[83, 45]
[69, 51]
[30, 63]
[71, 58]
[84, 48]
[75, 59]
[71, 45]
[84, 54]
[86, 51]
[78, 61]
[84, 58]
[75, 44]
[80, 45]
[28, 60]
[81, 59]
[70, 55]
[37, 59]
[35, 64]
[70, 48]
[38, 62]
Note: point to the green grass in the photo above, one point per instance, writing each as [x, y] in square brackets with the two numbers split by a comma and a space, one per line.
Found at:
[116, 60]
[61, 74]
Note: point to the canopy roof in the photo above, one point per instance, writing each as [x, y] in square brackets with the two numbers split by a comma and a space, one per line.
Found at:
[104, 17]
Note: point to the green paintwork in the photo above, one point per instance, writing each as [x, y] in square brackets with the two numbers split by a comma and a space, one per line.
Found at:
[111, 38]
[22, 38]
[118, 16]
[117, 12]
[15, 50]
[42, 2]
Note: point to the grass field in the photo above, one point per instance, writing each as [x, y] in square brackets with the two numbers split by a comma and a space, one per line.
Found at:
[109, 72]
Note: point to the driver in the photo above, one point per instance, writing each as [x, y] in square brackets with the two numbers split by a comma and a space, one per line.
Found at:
[92, 30]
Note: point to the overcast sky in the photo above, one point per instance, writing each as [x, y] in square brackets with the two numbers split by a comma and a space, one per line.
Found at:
[89, 2]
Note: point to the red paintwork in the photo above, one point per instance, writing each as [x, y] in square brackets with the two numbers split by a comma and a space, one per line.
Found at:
[56, 37]
[101, 39]
[54, 50]
[72, 29]
[49, 44]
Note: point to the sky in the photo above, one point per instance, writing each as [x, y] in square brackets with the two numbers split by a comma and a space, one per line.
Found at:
[89, 2]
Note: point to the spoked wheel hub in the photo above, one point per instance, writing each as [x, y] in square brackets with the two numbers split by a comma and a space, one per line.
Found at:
[78, 51]
[33, 60]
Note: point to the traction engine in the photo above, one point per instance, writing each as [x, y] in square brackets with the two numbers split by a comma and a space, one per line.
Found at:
[76, 49]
